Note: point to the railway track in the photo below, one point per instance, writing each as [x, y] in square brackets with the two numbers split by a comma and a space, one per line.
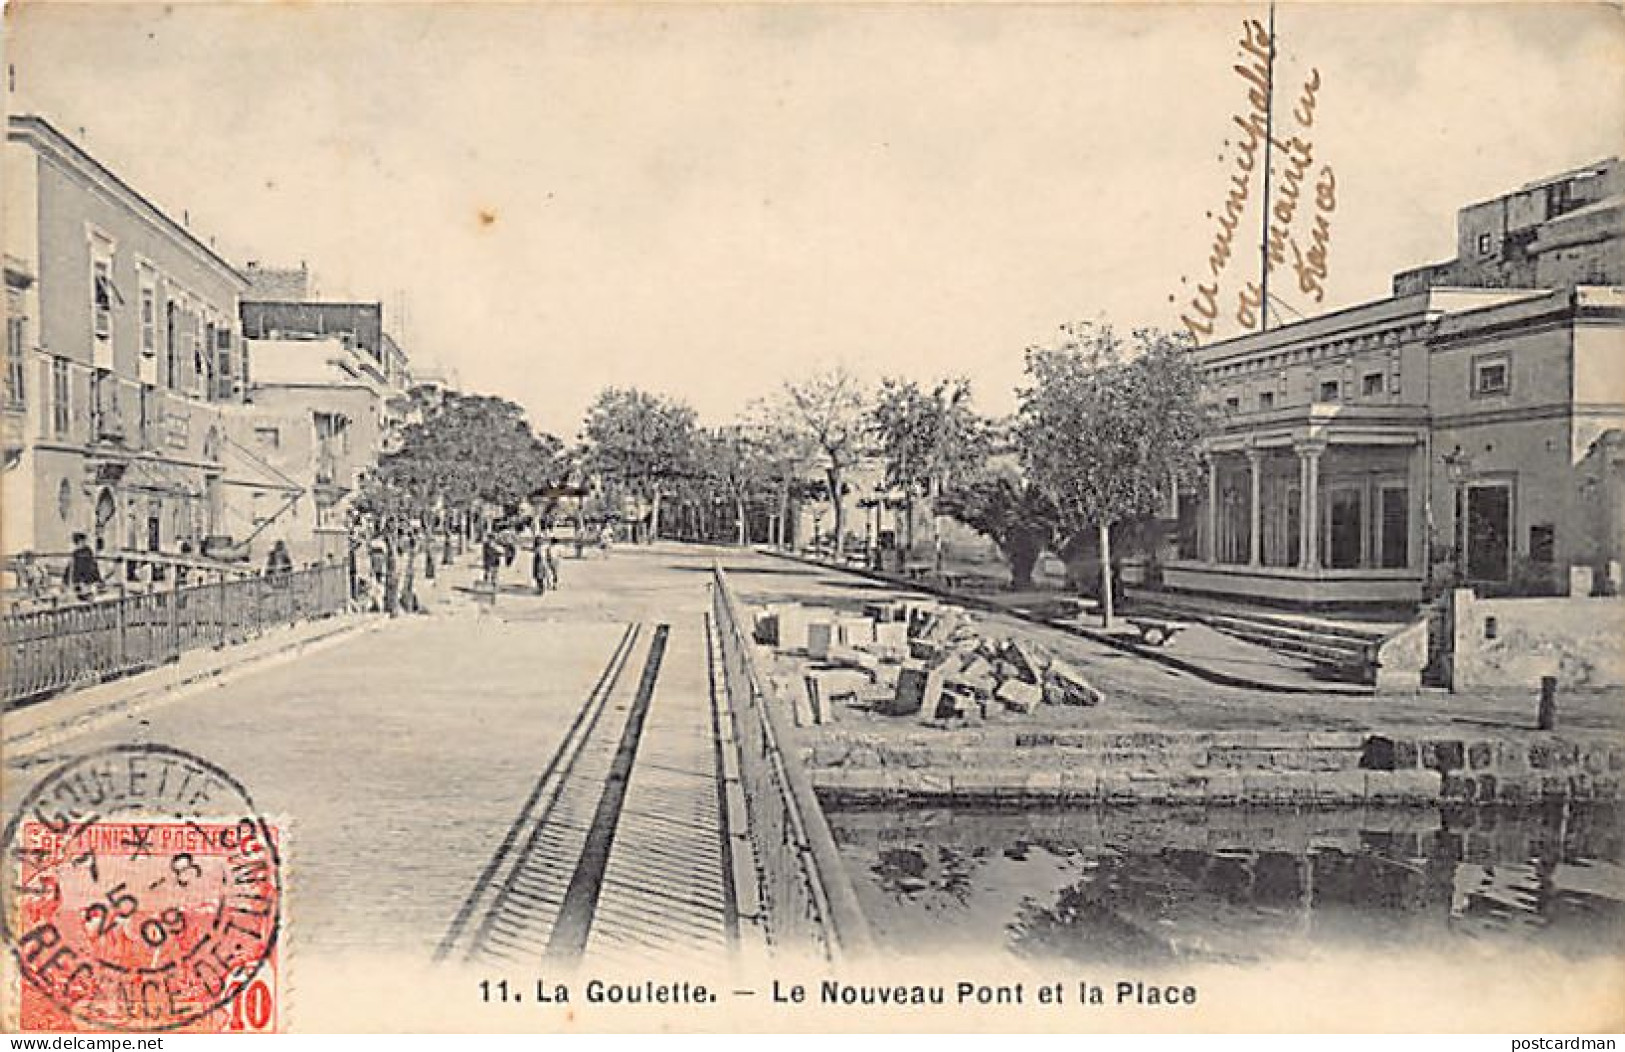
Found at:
[617, 851]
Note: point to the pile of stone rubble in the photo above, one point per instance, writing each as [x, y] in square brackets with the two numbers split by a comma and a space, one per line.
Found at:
[914, 657]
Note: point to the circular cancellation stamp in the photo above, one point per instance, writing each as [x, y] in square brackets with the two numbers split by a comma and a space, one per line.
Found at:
[143, 894]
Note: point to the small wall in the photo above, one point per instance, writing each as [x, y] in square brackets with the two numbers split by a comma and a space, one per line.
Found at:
[1309, 587]
[1514, 642]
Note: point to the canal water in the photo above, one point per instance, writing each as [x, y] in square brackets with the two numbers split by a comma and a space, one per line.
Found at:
[1151, 886]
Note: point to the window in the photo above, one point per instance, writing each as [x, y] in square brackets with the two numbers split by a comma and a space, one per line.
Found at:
[1232, 403]
[149, 320]
[16, 365]
[61, 394]
[268, 437]
[1266, 400]
[103, 296]
[223, 386]
[1330, 391]
[172, 346]
[1371, 385]
[64, 500]
[1541, 543]
[1486, 244]
[1491, 375]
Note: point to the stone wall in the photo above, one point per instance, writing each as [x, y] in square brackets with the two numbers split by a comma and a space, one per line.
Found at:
[1291, 768]
[1515, 642]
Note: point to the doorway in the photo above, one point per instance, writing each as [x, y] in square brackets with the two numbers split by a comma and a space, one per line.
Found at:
[1345, 528]
[1489, 531]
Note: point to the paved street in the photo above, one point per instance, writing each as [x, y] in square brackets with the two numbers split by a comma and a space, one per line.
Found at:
[400, 758]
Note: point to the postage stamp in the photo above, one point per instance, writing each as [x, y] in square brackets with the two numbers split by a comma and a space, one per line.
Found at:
[145, 895]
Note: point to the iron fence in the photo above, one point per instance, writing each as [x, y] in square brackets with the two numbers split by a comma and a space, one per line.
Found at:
[807, 900]
[54, 649]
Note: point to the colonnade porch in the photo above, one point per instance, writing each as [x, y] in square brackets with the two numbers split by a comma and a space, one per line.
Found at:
[1315, 520]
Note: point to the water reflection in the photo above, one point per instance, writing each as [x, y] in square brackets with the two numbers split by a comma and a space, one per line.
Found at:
[1150, 885]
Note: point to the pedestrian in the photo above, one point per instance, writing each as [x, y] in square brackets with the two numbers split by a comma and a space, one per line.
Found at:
[551, 555]
[491, 559]
[279, 564]
[538, 565]
[83, 575]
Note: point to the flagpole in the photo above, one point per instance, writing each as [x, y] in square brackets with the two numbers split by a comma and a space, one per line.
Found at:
[1269, 145]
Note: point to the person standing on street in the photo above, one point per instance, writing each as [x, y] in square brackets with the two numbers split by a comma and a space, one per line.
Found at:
[551, 556]
[491, 559]
[538, 563]
[83, 575]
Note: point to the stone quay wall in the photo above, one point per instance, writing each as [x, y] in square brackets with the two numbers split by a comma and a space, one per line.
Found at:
[1215, 768]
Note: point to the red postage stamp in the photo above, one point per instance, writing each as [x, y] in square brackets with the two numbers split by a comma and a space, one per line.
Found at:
[131, 914]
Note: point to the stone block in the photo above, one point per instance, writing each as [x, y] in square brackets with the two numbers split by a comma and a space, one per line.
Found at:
[1340, 786]
[1030, 661]
[1458, 787]
[918, 689]
[1116, 787]
[891, 637]
[1080, 783]
[856, 631]
[1413, 786]
[1222, 787]
[792, 627]
[1044, 783]
[1443, 755]
[820, 637]
[1019, 696]
[841, 653]
[1065, 683]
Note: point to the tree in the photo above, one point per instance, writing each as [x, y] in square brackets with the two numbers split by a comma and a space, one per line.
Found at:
[827, 413]
[927, 439]
[1106, 430]
[739, 467]
[1009, 511]
[469, 448]
[641, 441]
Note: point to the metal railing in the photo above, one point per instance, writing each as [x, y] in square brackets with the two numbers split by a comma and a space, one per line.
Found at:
[807, 899]
[44, 651]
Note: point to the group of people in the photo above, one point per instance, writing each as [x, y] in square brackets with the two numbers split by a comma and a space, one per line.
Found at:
[502, 546]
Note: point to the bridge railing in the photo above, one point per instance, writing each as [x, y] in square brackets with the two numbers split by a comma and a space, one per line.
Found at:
[43, 651]
[808, 904]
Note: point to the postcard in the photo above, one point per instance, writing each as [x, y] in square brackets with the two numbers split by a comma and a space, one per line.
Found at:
[854, 518]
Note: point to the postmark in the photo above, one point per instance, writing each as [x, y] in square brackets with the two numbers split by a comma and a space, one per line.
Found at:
[144, 893]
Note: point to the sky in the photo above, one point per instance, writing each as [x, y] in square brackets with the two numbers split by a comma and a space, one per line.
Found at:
[708, 200]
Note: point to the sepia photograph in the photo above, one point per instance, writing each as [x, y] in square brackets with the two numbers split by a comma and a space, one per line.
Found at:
[525, 517]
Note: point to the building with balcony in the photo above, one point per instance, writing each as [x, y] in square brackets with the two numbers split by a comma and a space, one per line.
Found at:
[122, 359]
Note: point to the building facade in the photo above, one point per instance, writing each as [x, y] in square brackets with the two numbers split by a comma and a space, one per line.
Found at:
[122, 359]
[1468, 429]
[1557, 232]
[328, 393]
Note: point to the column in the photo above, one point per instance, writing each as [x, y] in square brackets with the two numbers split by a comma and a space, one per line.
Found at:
[1309, 516]
[1416, 511]
[1211, 544]
[1255, 462]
